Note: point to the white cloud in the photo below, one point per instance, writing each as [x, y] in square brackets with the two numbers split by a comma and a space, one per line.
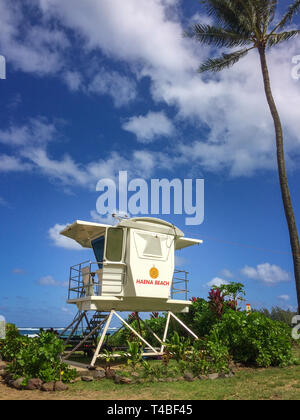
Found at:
[62, 241]
[18, 271]
[120, 88]
[285, 298]
[73, 80]
[29, 143]
[37, 132]
[226, 273]
[30, 48]
[149, 127]
[141, 32]
[13, 164]
[147, 36]
[50, 281]
[267, 273]
[216, 281]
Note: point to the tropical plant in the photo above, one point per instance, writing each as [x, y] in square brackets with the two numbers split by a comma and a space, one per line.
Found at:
[216, 301]
[233, 291]
[13, 342]
[107, 357]
[253, 339]
[200, 318]
[40, 358]
[208, 356]
[134, 353]
[248, 25]
[177, 347]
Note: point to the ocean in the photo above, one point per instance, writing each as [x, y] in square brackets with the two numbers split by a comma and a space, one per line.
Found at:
[34, 331]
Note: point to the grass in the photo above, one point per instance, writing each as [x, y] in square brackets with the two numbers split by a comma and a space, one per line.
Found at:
[247, 384]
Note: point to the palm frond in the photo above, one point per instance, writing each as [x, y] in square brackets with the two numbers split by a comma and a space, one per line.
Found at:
[265, 12]
[223, 62]
[229, 13]
[288, 16]
[220, 37]
[275, 39]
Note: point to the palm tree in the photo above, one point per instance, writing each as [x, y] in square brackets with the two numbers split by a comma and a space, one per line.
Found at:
[248, 25]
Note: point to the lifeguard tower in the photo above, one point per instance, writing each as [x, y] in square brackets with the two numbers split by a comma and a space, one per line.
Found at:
[133, 271]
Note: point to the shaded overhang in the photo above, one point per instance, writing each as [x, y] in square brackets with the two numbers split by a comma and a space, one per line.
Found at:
[185, 242]
[83, 232]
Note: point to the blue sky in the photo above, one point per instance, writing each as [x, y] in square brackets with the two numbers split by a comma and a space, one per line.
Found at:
[97, 87]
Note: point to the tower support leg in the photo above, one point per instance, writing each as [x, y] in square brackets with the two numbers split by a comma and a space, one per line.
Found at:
[96, 354]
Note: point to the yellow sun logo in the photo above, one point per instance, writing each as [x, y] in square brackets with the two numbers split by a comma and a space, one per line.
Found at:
[154, 273]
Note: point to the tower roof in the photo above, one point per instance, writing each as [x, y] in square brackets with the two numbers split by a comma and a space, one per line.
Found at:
[83, 232]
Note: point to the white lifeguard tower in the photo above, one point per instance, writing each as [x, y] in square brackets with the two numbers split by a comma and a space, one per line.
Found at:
[133, 271]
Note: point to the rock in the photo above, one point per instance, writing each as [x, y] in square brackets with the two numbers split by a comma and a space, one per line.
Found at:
[6, 375]
[110, 374]
[122, 380]
[87, 378]
[86, 372]
[18, 383]
[2, 365]
[98, 375]
[188, 377]
[48, 387]
[229, 375]
[8, 378]
[202, 377]
[77, 379]
[34, 383]
[60, 386]
[213, 376]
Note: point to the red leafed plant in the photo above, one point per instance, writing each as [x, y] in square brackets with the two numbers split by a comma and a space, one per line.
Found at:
[216, 301]
[132, 317]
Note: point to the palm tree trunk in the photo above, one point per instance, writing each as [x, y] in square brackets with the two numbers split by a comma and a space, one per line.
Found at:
[285, 193]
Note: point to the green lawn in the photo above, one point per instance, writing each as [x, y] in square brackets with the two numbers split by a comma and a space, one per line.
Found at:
[247, 384]
[252, 384]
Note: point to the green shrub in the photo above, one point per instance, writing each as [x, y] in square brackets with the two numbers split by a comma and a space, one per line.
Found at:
[254, 339]
[208, 356]
[13, 342]
[40, 358]
[200, 319]
[134, 353]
